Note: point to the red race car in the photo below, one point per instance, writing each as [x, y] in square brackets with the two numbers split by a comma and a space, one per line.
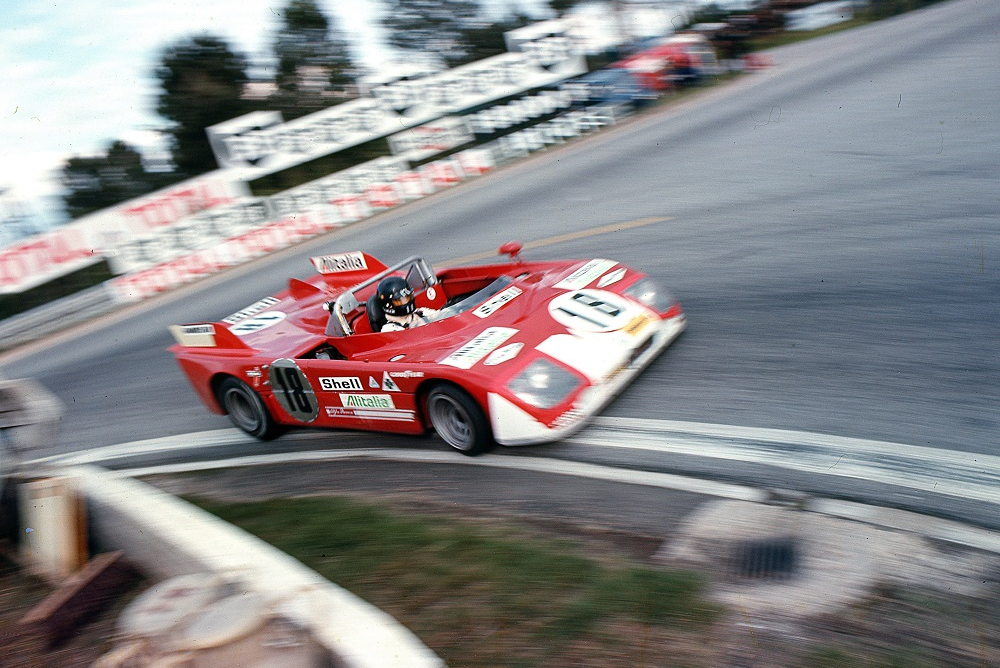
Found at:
[513, 353]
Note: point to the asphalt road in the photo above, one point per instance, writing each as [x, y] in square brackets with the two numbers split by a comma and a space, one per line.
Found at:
[832, 235]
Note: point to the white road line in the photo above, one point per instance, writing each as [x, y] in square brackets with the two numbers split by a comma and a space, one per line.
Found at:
[965, 475]
[539, 465]
[218, 438]
[932, 527]
[952, 473]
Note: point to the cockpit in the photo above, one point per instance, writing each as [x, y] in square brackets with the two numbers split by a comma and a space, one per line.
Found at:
[353, 313]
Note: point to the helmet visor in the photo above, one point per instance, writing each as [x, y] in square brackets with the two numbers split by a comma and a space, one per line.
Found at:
[401, 298]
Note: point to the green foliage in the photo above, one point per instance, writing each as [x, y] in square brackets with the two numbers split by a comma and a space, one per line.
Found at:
[836, 657]
[436, 27]
[710, 13]
[434, 573]
[560, 7]
[320, 167]
[201, 84]
[98, 182]
[830, 657]
[484, 40]
[314, 63]
[880, 9]
[55, 289]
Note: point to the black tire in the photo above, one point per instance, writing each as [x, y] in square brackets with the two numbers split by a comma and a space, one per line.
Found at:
[459, 420]
[247, 411]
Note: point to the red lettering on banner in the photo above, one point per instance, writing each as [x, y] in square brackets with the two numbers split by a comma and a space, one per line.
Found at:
[382, 196]
[411, 185]
[264, 240]
[12, 269]
[41, 256]
[310, 224]
[444, 173]
[245, 248]
[352, 207]
[298, 227]
[173, 205]
[186, 268]
[132, 288]
[474, 162]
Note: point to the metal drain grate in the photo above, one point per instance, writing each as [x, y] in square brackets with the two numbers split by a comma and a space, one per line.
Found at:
[772, 559]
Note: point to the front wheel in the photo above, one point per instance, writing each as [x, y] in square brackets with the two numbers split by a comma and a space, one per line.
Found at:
[459, 420]
[247, 411]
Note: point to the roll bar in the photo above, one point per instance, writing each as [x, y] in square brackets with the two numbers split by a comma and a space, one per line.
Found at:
[419, 276]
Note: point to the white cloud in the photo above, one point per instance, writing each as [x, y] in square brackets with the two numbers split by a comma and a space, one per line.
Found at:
[78, 75]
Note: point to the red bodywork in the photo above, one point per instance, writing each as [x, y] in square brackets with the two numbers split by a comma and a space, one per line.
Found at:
[680, 58]
[377, 381]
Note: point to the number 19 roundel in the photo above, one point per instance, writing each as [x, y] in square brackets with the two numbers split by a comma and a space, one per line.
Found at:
[292, 390]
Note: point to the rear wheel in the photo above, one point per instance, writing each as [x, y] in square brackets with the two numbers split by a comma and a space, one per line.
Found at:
[459, 420]
[247, 411]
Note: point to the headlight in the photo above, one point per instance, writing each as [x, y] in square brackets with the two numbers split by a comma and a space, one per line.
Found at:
[647, 292]
[543, 384]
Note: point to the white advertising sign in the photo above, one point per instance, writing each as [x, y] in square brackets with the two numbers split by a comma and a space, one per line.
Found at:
[328, 190]
[400, 104]
[423, 141]
[46, 256]
[188, 234]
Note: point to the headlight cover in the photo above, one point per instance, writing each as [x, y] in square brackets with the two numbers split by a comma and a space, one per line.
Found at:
[543, 384]
[647, 292]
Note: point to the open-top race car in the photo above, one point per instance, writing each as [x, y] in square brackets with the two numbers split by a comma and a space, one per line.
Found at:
[514, 353]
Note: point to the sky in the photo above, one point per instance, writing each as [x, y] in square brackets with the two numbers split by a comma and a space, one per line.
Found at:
[78, 74]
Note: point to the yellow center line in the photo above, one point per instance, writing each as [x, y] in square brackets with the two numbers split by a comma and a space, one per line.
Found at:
[560, 238]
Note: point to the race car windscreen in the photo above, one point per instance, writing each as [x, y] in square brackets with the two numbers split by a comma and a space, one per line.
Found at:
[476, 298]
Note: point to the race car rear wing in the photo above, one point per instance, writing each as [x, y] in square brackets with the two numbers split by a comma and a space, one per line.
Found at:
[206, 335]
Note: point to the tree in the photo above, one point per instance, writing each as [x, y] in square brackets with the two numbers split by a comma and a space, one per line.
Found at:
[308, 39]
[202, 82]
[97, 182]
[486, 39]
[560, 7]
[433, 26]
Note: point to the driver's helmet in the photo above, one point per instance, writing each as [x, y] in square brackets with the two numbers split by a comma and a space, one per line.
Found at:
[395, 296]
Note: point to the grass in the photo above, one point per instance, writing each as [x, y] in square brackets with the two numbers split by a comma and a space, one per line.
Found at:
[479, 594]
[792, 36]
[836, 657]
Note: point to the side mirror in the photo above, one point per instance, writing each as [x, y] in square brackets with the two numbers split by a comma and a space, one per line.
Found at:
[511, 248]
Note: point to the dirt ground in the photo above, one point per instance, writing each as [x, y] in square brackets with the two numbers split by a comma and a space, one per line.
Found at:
[908, 622]
[20, 592]
[937, 623]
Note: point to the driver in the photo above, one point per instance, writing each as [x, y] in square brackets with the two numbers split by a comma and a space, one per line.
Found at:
[395, 298]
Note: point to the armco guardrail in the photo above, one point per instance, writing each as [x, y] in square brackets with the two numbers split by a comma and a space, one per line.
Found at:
[310, 220]
[60, 314]
[29, 414]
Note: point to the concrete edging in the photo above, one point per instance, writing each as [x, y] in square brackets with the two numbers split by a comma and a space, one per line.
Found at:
[169, 537]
